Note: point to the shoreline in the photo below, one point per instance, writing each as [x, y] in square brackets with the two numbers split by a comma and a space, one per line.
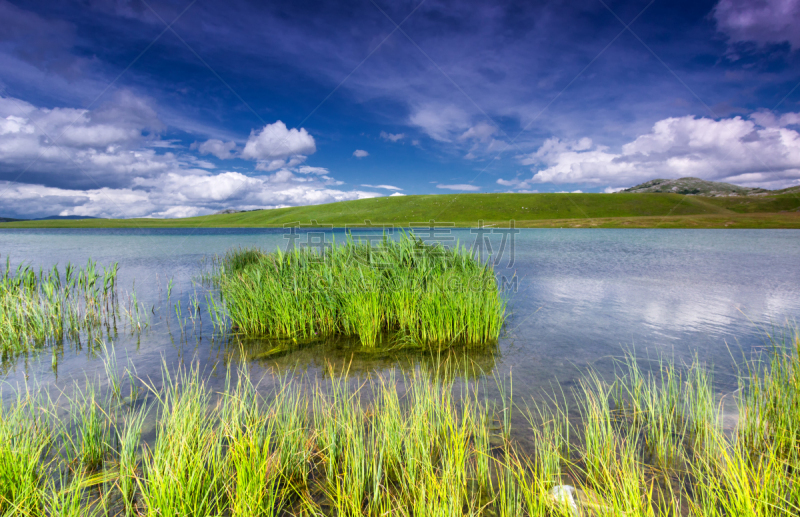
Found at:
[769, 220]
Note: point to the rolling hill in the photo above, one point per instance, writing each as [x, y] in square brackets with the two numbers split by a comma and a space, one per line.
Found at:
[625, 209]
[696, 187]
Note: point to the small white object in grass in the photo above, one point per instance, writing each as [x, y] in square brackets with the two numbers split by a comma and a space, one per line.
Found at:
[564, 495]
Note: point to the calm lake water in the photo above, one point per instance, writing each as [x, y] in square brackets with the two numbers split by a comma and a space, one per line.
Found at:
[583, 298]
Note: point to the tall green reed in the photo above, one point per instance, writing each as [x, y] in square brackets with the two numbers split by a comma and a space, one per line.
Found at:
[257, 486]
[129, 440]
[183, 472]
[25, 441]
[43, 308]
[420, 444]
[430, 295]
[93, 429]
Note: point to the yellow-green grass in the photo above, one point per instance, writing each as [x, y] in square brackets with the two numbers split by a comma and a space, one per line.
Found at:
[422, 295]
[466, 210]
[646, 445]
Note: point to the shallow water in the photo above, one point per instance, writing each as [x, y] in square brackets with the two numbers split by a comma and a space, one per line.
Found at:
[583, 298]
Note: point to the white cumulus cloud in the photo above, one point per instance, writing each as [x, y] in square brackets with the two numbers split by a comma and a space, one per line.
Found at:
[70, 146]
[218, 148]
[360, 153]
[174, 195]
[276, 146]
[736, 150]
[111, 162]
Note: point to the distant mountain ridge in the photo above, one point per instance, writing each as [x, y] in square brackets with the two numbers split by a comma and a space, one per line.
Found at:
[697, 187]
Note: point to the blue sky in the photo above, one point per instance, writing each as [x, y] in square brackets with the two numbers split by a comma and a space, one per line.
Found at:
[177, 108]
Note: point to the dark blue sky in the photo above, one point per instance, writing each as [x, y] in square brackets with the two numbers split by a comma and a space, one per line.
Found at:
[173, 108]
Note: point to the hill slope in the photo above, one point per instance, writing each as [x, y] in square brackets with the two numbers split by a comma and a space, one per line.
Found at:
[527, 210]
[695, 186]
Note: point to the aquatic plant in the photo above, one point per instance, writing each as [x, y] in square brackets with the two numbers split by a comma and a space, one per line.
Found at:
[183, 473]
[43, 308]
[25, 436]
[92, 424]
[423, 444]
[128, 437]
[422, 294]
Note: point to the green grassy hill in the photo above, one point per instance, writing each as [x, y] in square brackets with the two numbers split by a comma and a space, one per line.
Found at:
[528, 210]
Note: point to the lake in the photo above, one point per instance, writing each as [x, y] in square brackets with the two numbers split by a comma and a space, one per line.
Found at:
[581, 299]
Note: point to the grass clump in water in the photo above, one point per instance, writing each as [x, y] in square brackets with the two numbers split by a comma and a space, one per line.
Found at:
[38, 309]
[426, 295]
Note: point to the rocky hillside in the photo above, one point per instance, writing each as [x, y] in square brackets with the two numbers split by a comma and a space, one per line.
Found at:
[696, 186]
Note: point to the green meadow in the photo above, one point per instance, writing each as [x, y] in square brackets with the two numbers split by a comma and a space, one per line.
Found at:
[468, 210]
